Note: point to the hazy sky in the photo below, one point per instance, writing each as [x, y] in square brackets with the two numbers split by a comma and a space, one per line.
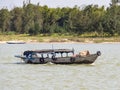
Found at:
[53, 3]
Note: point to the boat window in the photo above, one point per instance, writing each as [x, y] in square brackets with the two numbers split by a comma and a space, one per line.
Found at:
[63, 54]
[50, 55]
[38, 55]
[45, 55]
[34, 55]
[66, 54]
[58, 55]
[70, 54]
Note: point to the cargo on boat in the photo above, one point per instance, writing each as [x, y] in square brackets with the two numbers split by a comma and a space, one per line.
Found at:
[58, 56]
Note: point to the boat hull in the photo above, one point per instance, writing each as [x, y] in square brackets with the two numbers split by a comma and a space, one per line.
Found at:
[77, 60]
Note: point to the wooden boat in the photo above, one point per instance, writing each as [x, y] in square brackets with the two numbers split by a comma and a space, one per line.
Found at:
[57, 56]
[15, 42]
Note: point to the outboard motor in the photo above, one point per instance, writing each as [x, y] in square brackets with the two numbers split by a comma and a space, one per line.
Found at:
[98, 53]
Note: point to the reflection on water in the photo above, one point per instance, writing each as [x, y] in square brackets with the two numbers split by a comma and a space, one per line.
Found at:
[103, 74]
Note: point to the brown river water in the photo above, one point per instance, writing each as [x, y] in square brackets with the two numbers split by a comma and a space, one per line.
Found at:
[103, 74]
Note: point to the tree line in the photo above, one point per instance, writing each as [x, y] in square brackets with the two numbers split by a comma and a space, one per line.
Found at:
[36, 19]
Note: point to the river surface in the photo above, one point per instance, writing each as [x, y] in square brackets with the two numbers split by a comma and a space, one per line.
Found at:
[104, 74]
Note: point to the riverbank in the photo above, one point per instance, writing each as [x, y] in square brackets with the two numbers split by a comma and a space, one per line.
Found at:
[57, 39]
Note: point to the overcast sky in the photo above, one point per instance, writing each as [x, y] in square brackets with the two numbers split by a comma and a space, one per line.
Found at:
[10, 4]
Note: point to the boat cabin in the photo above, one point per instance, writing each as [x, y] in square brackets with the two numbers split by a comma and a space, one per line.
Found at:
[49, 53]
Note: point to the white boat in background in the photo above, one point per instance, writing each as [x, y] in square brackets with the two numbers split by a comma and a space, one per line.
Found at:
[15, 42]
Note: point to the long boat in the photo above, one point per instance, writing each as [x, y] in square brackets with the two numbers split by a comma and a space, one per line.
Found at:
[15, 42]
[58, 56]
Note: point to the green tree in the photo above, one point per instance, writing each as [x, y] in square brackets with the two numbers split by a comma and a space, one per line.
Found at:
[112, 20]
[4, 20]
[16, 20]
[114, 2]
[28, 18]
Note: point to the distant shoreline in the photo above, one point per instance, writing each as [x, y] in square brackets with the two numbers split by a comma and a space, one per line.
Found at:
[35, 42]
[57, 39]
